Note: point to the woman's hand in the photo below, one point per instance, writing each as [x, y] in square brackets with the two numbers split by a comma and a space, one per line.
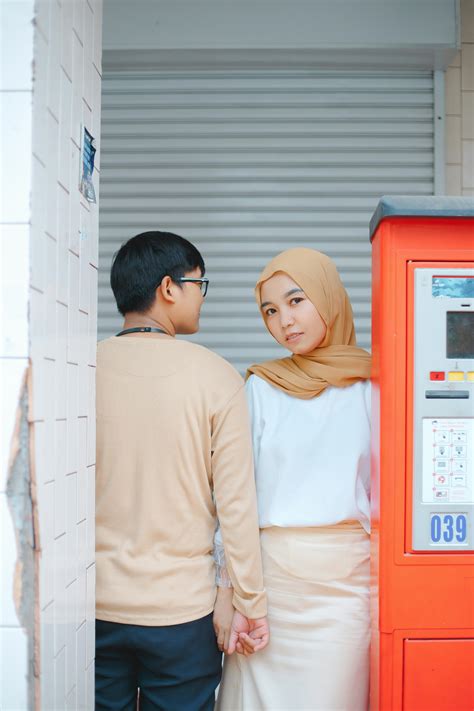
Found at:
[222, 618]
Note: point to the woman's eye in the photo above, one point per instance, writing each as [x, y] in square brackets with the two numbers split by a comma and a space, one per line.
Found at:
[270, 312]
[296, 300]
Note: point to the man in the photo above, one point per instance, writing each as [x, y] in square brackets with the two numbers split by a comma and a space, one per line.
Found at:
[173, 445]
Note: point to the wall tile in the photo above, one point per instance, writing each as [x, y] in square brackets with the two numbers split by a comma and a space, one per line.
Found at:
[37, 258]
[38, 202]
[42, 11]
[60, 680]
[468, 115]
[47, 640]
[81, 589]
[74, 205]
[71, 646]
[47, 561]
[60, 609]
[78, 19]
[62, 246]
[90, 556]
[60, 503]
[467, 67]
[46, 493]
[71, 700]
[71, 538]
[90, 615]
[91, 420]
[60, 383]
[14, 276]
[92, 338]
[66, 37]
[453, 90]
[54, 58]
[82, 471]
[453, 139]
[96, 112]
[40, 76]
[97, 48]
[65, 129]
[84, 244]
[90, 687]
[81, 658]
[467, 21]
[73, 309]
[72, 405]
[51, 226]
[88, 39]
[468, 165]
[50, 340]
[77, 87]
[43, 448]
[453, 180]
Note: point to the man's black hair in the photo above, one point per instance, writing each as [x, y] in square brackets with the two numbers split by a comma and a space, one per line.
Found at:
[141, 263]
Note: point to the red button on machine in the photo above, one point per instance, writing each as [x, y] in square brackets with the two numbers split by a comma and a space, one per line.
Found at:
[437, 375]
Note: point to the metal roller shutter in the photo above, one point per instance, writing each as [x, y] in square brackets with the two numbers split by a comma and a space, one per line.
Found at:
[246, 164]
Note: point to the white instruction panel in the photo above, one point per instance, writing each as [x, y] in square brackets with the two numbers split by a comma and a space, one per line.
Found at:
[448, 445]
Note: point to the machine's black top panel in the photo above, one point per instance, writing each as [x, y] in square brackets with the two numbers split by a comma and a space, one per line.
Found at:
[422, 206]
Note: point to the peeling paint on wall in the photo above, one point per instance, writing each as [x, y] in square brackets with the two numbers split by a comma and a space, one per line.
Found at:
[22, 503]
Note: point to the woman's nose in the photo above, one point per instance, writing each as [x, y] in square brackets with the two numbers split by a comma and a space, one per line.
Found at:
[286, 318]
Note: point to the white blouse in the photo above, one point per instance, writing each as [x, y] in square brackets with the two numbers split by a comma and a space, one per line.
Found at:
[312, 458]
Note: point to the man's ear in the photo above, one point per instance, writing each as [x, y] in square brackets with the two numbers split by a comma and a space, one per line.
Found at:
[166, 290]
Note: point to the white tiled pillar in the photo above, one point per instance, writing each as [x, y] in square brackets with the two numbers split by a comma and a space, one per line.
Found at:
[49, 294]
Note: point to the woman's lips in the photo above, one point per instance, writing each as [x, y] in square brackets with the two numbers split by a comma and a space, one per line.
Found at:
[293, 337]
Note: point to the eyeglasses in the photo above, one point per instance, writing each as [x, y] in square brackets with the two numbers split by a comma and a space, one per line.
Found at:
[203, 283]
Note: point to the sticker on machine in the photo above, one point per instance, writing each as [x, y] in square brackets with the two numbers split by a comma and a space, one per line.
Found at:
[448, 460]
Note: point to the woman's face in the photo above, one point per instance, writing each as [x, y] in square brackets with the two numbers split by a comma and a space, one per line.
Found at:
[290, 316]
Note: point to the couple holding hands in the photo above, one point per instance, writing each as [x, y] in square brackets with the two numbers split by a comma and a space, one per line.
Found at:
[231, 517]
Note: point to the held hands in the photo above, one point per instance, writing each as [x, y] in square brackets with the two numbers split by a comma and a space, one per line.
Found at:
[248, 636]
[235, 632]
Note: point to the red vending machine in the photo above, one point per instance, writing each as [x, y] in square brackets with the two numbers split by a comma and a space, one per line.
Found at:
[423, 455]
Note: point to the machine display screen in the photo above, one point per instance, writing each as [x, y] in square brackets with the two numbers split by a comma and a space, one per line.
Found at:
[460, 334]
[453, 287]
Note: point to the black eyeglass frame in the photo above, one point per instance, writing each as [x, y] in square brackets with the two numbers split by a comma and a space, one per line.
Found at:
[203, 281]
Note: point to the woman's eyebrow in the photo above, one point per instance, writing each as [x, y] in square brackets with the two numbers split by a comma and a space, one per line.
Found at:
[285, 296]
[293, 291]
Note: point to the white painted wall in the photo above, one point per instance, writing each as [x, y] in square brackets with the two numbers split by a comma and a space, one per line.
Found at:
[49, 314]
[16, 146]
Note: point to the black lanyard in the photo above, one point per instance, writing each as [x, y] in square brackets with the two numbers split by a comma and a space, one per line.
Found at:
[142, 329]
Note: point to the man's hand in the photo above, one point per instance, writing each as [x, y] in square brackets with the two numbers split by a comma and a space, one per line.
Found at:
[248, 636]
[222, 617]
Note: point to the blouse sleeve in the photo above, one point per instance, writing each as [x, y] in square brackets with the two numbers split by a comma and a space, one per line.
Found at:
[256, 421]
[222, 576]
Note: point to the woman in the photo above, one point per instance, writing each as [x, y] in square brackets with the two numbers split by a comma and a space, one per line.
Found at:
[311, 434]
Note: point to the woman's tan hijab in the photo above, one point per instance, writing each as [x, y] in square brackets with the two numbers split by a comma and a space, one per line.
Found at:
[337, 361]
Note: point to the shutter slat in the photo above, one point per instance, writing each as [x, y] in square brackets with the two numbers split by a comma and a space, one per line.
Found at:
[248, 163]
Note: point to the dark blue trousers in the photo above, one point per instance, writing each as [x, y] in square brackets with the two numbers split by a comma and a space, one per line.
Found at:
[177, 668]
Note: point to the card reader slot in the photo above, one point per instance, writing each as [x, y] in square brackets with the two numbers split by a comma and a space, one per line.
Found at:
[447, 394]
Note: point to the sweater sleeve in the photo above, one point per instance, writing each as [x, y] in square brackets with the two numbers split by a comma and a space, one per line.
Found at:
[235, 497]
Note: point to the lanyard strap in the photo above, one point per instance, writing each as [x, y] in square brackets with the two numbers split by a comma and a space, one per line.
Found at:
[142, 329]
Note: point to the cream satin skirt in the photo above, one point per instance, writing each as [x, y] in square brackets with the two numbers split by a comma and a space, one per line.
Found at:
[317, 581]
